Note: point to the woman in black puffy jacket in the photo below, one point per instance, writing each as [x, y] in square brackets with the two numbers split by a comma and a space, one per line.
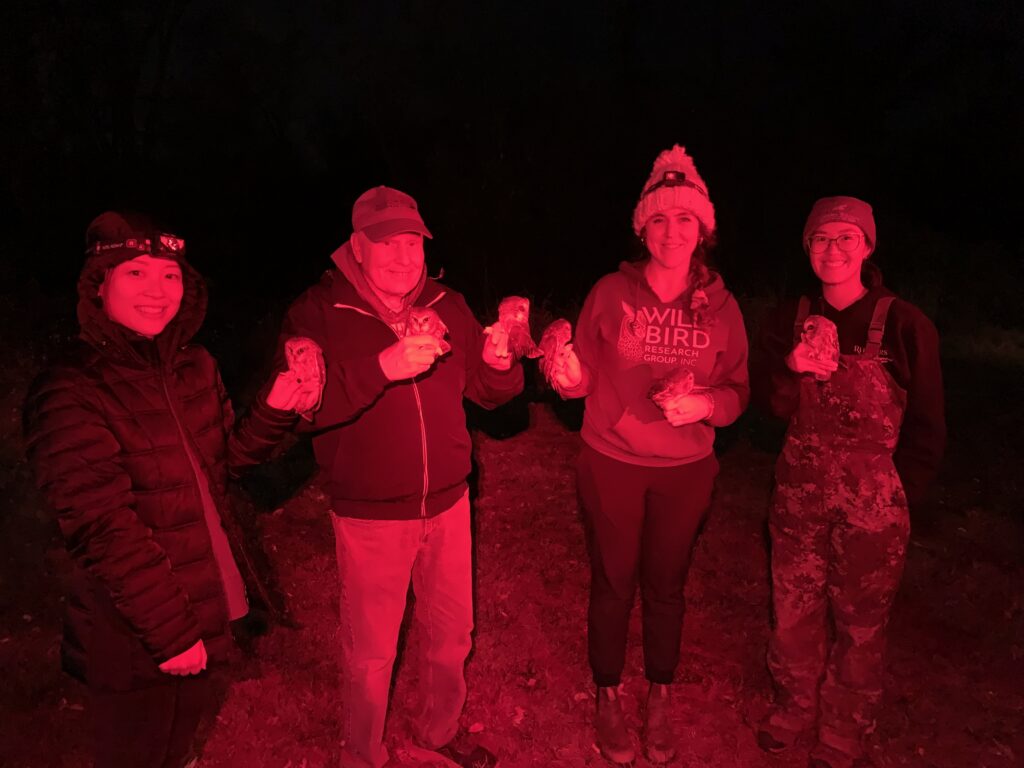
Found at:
[131, 437]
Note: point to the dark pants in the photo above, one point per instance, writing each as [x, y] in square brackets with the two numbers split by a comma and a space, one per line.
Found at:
[641, 523]
[151, 727]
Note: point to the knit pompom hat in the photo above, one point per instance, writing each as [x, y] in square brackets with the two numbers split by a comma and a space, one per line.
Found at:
[674, 183]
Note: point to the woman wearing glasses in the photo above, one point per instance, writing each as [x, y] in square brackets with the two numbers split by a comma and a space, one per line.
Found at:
[856, 371]
[661, 356]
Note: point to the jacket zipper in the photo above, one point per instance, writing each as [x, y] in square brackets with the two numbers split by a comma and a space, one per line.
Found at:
[193, 463]
[423, 432]
[419, 407]
[423, 444]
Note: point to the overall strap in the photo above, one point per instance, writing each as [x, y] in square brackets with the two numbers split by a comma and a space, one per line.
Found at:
[803, 309]
[877, 327]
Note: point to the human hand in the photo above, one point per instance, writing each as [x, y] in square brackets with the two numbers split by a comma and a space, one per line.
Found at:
[688, 409]
[289, 393]
[566, 371]
[802, 360]
[409, 357]
[496, 353]
[190, 662]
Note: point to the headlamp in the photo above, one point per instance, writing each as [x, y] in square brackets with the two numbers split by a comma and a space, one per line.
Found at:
[157, 245]
[674, 179]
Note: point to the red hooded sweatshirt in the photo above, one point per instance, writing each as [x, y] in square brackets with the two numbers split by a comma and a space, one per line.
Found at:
[626, 338]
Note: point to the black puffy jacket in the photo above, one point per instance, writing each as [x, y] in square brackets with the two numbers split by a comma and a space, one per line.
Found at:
[104, 438]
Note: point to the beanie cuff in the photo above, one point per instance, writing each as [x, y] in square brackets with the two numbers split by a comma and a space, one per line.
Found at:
[674, 197]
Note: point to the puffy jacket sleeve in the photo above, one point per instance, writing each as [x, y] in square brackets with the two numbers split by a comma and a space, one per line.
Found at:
[76, 462]
[254, 437]
[486, 386]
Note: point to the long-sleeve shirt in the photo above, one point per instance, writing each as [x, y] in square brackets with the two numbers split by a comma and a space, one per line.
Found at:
[910, 351]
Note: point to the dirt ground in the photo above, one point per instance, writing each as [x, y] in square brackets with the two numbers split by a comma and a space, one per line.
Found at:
[955, 696]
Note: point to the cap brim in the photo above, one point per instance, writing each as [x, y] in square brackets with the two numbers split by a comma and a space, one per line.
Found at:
[384, 229]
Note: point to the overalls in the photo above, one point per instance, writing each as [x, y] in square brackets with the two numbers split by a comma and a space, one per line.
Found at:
[839, 525]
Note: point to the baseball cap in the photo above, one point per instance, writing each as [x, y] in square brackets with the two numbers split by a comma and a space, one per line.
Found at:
[382, 211]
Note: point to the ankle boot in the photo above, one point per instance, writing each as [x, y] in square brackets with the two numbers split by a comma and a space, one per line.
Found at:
[610, 724]
[659, 743]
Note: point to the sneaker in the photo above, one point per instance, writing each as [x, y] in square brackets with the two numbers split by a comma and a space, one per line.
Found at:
[610, 725]
[659, 742]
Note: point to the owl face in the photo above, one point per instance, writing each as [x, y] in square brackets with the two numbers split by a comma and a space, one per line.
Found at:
[424, 320]
[821, 335]
[514, 309]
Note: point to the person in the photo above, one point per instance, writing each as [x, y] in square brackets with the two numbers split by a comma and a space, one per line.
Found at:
[646, 473]
[394, 451]
[866, 435]
[131, 438]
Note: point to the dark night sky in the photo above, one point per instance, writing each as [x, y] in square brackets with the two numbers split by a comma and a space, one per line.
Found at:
[524, 129]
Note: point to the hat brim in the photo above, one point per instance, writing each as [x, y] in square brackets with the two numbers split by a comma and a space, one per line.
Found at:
[385, 229]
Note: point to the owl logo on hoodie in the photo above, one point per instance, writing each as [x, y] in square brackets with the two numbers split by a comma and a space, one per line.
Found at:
[632, 332]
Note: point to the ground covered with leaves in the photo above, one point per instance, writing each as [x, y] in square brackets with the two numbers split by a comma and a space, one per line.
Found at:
[955, 696]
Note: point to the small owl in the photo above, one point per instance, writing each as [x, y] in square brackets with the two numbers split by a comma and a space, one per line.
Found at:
[678, 382]
[424, 321]
[553, 346]
[514, 316]
[306, 360]
[821, 335]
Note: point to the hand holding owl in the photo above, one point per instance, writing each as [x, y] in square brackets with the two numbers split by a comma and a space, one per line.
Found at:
[510, 337]
[817, 352]
[560, 364]
[301, 387]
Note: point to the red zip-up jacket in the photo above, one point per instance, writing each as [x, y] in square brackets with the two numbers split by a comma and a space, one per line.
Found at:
[393, 450]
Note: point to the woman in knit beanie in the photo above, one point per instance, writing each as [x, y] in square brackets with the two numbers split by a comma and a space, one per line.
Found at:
[856, 372]
[660, 355]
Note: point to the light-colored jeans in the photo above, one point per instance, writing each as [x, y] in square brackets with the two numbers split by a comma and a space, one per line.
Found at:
[376, 559]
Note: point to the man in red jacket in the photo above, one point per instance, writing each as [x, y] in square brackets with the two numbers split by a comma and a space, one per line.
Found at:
[392, 442]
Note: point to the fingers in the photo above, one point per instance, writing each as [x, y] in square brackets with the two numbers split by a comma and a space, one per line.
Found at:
[674, 403]
[421, 351]
[803, 364]
[498, 338]
[410, 356]
[565, 369]
[191, 662]
[820, 367]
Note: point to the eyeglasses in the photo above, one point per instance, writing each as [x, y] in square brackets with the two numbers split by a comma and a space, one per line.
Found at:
[848, 241]
[674, 179]
[164, 243]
